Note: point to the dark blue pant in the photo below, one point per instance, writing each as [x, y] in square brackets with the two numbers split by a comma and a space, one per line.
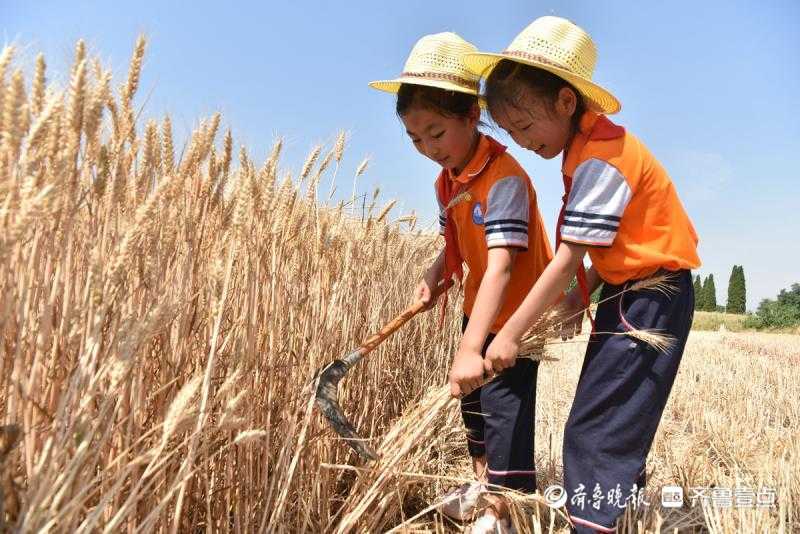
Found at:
[499, 419]
[622, 390]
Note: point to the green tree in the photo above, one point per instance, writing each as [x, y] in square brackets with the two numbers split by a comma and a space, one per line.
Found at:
[736, 291]
[709, 294]
[698, 293]
[732, 280]
[779, 313]
[741, 295]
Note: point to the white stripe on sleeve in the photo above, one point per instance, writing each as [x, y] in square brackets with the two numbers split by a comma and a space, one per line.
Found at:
[596, 202]
[506, 219]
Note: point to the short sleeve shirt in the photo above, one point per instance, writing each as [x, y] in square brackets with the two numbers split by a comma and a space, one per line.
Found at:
[624, 206]
[499, 209]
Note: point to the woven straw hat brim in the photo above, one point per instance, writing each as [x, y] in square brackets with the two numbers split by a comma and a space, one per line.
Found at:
[597, 98]
[393, 86]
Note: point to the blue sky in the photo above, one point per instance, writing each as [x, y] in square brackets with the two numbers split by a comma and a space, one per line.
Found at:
[710, 87]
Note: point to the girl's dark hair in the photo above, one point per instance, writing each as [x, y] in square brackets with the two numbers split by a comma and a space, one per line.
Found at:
[442, 101]
[504, 87]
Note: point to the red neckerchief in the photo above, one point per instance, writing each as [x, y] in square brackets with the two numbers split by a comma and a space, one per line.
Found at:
[449, 187]
[593, 127]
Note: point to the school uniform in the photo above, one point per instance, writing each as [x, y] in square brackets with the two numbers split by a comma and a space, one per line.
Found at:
[492, 203]
[622, 205]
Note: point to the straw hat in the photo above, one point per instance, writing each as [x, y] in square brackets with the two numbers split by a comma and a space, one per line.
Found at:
[436, 60]
[558, 46]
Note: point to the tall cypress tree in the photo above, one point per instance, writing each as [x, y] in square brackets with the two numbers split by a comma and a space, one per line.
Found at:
[710, 294]
[698, 294]
[741, 303]
[741, 298]
[704, 292]
[737, 301]
[733, 290]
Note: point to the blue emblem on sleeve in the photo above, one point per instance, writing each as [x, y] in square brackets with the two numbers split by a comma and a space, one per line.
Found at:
[477, 214]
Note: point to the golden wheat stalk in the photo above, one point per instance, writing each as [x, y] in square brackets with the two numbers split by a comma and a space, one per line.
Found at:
[546, 328]
[112, 299]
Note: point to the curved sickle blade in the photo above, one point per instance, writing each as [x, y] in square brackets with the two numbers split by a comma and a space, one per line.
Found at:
[327, 398]
[327, 395]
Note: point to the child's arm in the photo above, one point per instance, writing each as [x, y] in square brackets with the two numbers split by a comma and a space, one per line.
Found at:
[466, 372]
[429, 280]
[574, 307]
[593, 280]
[502, 353]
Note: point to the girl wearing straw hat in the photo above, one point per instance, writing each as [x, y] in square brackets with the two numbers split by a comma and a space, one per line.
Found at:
[621, 208]
[490, 221]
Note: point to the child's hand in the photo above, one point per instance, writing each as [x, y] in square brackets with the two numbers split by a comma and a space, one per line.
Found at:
[501, 354]
[466, 374]
[423, 291]
[573, 310]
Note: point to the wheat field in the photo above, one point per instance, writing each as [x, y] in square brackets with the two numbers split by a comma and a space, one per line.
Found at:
[164, 305]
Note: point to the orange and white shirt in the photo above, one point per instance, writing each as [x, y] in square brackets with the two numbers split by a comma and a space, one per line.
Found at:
[499, 209]
[623, 205]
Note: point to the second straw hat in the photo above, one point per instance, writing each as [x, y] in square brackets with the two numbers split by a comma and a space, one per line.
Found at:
[558, 46]
[436, 60]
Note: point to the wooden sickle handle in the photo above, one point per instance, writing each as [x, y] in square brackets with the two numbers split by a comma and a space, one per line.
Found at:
[392, 326]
